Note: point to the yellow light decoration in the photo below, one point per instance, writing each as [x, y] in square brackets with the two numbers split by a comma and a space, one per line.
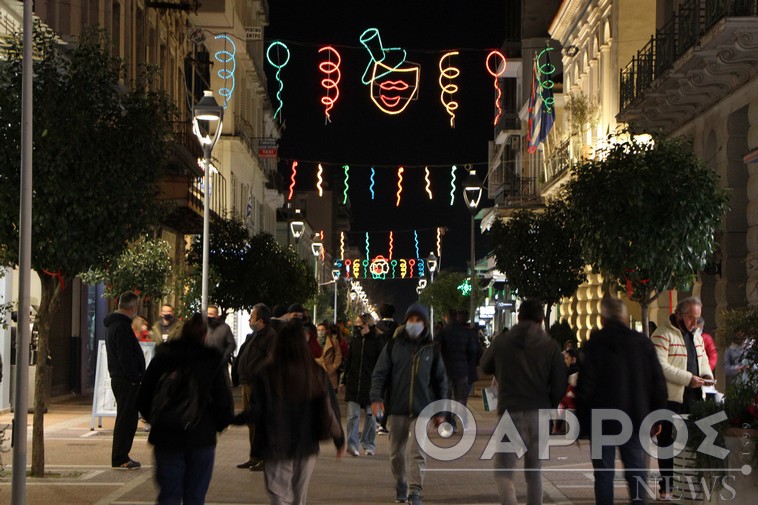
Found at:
[342, 245]
[392, 243]
[403, 268]
[320, 182]
[399, 185]
[439, 242]
[357, 267]
[449, 72]
[428, 183]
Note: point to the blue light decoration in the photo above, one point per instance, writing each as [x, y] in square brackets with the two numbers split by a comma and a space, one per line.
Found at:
[415, 240]
[278, 66]
[346, 168]
[421, 265]
[381, 268]
[372, 41]
[452, 185]
[226, 74]
[371, 186]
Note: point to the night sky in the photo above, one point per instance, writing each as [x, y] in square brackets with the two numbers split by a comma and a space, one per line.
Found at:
[362, 136]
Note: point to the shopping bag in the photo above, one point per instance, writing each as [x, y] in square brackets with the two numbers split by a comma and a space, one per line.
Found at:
[489, 397]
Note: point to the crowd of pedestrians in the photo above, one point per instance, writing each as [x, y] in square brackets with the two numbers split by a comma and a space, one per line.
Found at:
[290, 372]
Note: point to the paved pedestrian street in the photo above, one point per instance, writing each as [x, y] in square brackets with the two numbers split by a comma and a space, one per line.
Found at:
[77, 460]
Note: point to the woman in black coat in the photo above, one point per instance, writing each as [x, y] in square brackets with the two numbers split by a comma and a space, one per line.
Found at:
[184, 455]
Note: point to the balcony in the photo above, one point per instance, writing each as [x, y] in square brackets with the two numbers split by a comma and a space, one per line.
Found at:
[707, 51]
[521, 191]
[556, 166]
[186, 149]
[183, 196]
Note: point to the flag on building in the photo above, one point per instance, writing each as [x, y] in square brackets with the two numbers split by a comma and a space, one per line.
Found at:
[249, 211]
[541, 110]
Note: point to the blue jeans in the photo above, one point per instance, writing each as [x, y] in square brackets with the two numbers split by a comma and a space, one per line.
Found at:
[368, 438]
[183, 477]
[634, 472]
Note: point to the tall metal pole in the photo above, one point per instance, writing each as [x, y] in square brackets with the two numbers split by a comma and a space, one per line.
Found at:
[336, 285]
[471, 306]
[18, 492]
[315, 275]
[431, 308]
[206, 225]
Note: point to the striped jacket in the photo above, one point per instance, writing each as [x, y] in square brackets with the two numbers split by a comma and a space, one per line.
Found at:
[672, 353]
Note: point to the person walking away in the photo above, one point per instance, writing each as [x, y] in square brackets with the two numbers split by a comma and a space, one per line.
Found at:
[293, 407]
[408, 376]
[220, 335]
[184, 457]
[365, 348]
[531, 375]
[168, 327]
[250, 363]
[681, 353]
[458, 350]
[385, 328]
[126, 366]
[620, 371]
[331, 359]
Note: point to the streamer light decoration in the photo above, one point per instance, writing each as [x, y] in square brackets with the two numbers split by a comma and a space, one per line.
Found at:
[546, 69]
[428, 186]
[331, 81]
[348, 262]
[452, 185]
[342, 245]
[367, 247]
[319, 183]
[371, 186]
[323, 249]
[439, 242]
[292, 179]
[393, 264]
[403, 268]
[411, 262]
[226, 74]
[399, 185]
[415, 240]
[392, 244]
[346, 168]
[278, 66]
[381, 268]
[496, 73]
[421, 266]
[448, 72]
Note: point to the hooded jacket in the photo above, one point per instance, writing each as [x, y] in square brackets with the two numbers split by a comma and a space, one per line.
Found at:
[125, 357]
[213, 388]
[409, 374]
[529, 368]
[620, 370]
[361, 359]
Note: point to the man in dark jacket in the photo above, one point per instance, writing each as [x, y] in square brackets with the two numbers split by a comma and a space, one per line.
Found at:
[253, 355]
[458, 350]
[409, 376]
[531, 375]
[220, 335]
[126, 366]
[621, 371]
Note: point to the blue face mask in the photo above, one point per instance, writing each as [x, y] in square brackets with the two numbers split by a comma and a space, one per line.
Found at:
[414, 329]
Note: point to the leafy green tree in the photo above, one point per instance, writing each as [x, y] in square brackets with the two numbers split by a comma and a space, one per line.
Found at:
[539, 254]
[446, 293]
[646, 214]
[99, 149]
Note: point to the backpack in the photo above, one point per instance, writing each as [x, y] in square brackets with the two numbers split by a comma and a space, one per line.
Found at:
[176, 401]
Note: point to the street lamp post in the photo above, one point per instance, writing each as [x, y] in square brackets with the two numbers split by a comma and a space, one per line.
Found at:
[316, 248]
[431, 263]
[336, 277]
[207, 109]
[472, 194]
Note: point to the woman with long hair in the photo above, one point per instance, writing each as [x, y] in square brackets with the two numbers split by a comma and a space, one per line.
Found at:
[331, 359]
[184, 456]
[293, 407]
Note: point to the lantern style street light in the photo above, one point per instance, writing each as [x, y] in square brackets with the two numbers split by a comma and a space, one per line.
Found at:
[472, 194]
[207, 109]
[297, 226]
[431, 262]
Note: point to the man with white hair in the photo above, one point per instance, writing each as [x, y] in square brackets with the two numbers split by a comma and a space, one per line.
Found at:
[620, 371]
[685, 365]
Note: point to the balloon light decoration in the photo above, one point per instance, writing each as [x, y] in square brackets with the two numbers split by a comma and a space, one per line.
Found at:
[497, 72]
[399, 185]
[292, 181]
[331, 81]
[447, 73]
[226, 74]
[278, 65]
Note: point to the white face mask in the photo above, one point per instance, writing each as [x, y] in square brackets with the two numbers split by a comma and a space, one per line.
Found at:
[414, 329]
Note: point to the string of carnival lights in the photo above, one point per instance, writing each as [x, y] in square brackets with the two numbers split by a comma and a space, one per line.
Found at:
[278, 66]
[226, 74]
[331, 81]
[449, 72]
[498, 72]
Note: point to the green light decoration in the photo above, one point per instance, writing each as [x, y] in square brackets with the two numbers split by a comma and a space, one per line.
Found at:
[465, 287]
[545, 70]
[346, 168]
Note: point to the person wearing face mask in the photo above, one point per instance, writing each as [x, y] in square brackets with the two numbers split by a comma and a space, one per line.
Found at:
[355, 382]
[126, 366]
[408, 376]
[331, 359]
[681, 352]
[168, 327]
[220, 334]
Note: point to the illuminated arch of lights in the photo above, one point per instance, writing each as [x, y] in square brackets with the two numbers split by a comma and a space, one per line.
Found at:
[278, 66]
[331, 81]
[447, 74]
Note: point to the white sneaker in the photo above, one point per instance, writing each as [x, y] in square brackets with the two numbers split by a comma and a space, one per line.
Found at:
[370, 452]
[353, 452]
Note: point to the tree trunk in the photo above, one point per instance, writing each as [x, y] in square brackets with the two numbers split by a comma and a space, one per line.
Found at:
[49, 302]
